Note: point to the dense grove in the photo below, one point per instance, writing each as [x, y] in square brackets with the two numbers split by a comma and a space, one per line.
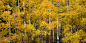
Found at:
[42, 21]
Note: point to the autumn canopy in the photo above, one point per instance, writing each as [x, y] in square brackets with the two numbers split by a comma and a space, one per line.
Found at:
[42, 21]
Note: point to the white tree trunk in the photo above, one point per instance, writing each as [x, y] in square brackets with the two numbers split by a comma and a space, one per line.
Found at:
[50, 30]
[57, 30]
[53, 36]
